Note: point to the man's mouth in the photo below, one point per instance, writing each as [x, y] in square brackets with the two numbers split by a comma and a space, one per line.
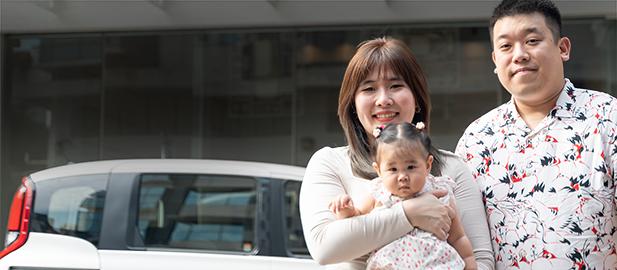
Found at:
[523, 70]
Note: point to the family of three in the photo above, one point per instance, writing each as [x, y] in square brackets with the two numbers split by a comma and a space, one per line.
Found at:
[532, 184]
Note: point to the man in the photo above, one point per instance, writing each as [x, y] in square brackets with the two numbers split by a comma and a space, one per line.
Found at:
[545, 160]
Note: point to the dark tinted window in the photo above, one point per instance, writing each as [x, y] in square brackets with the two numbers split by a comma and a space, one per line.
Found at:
[70, 206]
[295, 236]
[210, 212]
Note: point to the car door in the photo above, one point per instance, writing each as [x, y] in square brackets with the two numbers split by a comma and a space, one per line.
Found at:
[287, 235]
[187, 221]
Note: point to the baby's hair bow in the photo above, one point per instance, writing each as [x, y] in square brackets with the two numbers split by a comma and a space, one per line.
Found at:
[377, 131]
[420, 126]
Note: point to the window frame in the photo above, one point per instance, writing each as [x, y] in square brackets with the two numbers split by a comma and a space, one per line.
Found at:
[137, 242]
[44, 191]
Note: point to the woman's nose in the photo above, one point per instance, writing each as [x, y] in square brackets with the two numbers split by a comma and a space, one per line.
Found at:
[383, 98]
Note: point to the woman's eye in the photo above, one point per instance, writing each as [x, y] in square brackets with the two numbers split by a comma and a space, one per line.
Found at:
[396, 86]
[368, 89]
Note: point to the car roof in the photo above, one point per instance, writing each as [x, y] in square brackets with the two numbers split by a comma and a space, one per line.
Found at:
[198, 166]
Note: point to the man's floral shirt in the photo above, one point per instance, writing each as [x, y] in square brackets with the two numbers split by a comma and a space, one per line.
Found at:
[550, 192]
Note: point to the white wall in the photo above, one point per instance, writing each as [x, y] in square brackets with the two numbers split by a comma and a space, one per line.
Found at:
[42, 16]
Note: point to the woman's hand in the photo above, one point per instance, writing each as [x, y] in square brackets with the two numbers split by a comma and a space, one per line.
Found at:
[427, 213]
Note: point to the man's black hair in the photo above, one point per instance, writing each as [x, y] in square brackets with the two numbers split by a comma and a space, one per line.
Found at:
[547, 8]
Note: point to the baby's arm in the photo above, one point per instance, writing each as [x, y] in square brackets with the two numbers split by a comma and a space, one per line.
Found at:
[461, 243]
[343, 206]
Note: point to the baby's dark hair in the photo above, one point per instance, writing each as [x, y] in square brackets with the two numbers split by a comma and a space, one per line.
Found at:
[408, 135]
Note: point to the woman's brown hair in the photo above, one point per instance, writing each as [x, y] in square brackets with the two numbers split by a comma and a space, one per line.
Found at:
[385, 54]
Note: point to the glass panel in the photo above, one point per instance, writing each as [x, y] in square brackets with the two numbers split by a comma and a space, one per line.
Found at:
[198, 212]
[267, 96]
[321, 60]
[54, 101]
[149, 103]
[70, 206]
[247, 96]
[455, 60]
[458, 66]
[592, 63]
[295, 235]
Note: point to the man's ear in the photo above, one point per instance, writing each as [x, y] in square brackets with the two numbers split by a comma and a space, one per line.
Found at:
[429, 162]
[376, 167]
[493, 58]
[564, 48]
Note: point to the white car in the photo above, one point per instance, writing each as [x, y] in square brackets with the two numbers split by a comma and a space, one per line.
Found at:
[158, 214]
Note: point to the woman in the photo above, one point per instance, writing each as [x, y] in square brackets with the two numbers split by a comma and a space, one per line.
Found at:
[383, 84]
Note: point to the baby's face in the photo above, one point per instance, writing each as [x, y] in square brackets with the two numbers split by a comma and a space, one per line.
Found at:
[403, 171]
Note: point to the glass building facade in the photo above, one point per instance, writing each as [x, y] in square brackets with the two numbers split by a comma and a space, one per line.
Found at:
[260, 94]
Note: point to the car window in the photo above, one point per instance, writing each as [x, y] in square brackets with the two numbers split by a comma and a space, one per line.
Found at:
[295, 236]
[70, 206]
[206, 212]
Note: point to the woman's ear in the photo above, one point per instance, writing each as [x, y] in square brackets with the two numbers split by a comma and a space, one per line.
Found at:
[429, 162]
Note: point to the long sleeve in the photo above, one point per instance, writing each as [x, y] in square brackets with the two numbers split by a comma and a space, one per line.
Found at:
[471, 210]
[329, 240]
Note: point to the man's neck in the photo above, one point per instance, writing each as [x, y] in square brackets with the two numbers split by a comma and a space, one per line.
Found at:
[534, 113]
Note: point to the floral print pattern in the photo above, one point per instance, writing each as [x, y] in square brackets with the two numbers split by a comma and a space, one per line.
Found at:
[550, 192]
[417, 249]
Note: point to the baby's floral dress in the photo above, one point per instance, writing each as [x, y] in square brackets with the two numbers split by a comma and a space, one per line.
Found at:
[417, 249]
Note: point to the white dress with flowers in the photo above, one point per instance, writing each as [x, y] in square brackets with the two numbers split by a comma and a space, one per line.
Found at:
[417, 249]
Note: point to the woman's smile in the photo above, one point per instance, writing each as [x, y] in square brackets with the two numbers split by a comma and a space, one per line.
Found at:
[383, 98]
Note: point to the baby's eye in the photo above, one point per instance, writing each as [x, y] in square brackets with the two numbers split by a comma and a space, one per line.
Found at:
[392, 169]
[411, 167]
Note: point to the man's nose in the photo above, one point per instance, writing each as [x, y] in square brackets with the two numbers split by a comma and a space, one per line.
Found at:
[520, 54]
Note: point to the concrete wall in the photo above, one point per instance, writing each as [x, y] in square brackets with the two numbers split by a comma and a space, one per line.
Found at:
[42, 16]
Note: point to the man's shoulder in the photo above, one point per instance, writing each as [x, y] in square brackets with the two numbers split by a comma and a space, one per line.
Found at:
[594, 103]
[585, 97]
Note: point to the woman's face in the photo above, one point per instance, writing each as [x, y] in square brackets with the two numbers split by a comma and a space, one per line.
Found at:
[383, 97]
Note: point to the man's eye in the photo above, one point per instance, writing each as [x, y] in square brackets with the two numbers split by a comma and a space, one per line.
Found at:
[533, 41]
[504, 46]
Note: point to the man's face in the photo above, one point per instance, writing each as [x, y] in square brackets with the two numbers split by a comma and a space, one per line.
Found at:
[528, 61]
